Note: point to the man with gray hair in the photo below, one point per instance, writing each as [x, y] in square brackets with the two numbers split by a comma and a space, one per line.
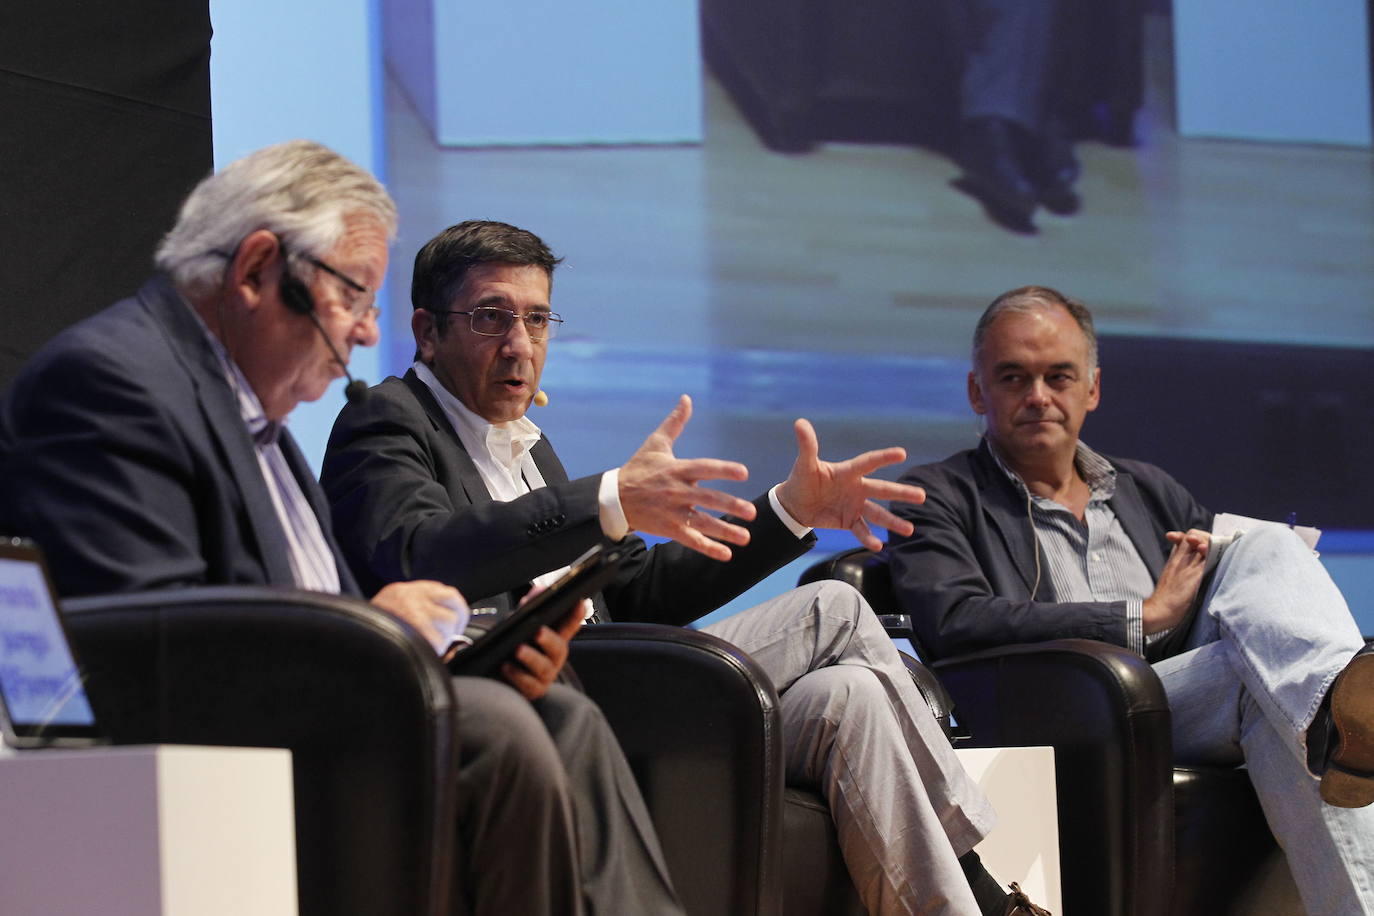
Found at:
[145, 448]
[1034, 536]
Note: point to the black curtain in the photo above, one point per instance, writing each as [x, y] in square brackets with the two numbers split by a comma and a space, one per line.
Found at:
[104, 128]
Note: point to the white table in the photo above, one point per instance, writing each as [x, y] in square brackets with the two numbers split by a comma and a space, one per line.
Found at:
[165, 830]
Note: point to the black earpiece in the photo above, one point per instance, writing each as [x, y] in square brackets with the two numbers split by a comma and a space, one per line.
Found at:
[296, 296]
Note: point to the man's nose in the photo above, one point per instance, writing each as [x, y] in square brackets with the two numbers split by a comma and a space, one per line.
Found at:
[517, 341]
[1038, 393]
[366, 333]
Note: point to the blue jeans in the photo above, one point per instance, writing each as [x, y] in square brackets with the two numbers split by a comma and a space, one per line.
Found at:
[1274, 635]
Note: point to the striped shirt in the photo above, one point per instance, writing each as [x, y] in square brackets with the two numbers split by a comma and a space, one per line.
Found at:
[312, 562]
[1092, 559]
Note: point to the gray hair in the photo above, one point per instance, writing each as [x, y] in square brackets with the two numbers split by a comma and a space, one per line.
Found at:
[1029, 299]
[300, 190]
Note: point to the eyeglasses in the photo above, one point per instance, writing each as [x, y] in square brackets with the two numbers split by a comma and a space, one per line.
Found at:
[490, 321]
[358, 299]
[360, 309]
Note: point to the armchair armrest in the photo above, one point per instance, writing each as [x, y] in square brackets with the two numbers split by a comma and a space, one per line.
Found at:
[699, 722]
[1105, 713]
[360, 699]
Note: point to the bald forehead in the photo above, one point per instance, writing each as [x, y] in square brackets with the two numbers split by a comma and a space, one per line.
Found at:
[1032, 327]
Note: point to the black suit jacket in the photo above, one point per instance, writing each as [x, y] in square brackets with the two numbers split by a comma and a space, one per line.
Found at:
[125, 458]
[966, 573]
[409, 503]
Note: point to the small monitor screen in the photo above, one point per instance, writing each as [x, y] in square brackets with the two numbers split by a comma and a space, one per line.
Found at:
[41, 686]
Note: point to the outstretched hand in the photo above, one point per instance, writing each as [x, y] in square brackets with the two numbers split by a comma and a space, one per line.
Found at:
[660, 493]
[825, 494]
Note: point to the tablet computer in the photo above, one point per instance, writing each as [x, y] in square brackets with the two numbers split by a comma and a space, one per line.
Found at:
[587, 576]
[42, 695]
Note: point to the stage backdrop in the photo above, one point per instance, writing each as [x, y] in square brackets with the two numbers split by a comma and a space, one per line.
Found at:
[105, 110]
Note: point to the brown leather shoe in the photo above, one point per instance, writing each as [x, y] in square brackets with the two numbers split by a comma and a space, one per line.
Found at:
[1018, 904]
[1348, 781]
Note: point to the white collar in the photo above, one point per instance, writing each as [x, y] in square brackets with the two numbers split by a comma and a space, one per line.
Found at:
[505, 443]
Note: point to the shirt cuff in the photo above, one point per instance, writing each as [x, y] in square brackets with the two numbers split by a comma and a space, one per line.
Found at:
[613, 522]
[1135, 625]
[794, 526]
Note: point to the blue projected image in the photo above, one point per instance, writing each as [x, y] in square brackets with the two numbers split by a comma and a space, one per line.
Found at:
[38, 675]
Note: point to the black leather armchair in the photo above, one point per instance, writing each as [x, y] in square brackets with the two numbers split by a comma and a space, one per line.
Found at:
[700, 725]
[363, 704]
[1137, 836]
[368, 713]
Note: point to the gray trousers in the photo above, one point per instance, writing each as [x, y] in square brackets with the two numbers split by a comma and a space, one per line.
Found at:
[1009, 46]
[856, 727]
[550, 820]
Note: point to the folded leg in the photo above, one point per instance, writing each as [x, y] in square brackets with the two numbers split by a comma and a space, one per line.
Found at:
[856, 726]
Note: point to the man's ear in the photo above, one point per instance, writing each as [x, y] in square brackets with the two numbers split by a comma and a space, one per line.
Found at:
[251, 272]
[1095, 393]
[975, 394]
[426, 334]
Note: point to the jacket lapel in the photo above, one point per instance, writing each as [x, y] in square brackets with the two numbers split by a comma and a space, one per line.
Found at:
[550, 468]
[468, 476]
[1006, 511]
[1130, 511]
[187, 338]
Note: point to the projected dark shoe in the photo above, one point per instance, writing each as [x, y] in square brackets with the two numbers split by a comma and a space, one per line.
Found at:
[1348, 779]
[1053, 169]
[989, 153]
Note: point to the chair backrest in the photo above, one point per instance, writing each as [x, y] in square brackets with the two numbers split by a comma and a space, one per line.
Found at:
[362, 702]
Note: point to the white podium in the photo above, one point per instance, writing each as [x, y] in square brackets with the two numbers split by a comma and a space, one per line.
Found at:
[138, 831]
[1024, 847]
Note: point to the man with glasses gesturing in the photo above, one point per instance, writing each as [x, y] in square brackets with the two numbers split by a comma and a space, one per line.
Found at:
[441, 474]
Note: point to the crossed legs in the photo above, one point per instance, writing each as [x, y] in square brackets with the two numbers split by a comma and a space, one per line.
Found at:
[1275, 635]
[855, 726]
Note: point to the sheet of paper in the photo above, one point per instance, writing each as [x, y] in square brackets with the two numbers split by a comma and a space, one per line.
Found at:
[452, 632]
[1227, 525]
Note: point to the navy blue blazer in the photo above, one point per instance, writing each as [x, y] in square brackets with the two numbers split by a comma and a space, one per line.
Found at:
[409, 503]
[966, 573]
[124, 457]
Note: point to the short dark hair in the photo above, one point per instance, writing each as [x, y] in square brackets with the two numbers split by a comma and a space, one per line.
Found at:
[1027, 299]
[442, 264]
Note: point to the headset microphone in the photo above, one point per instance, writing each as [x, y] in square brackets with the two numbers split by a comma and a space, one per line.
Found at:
[356, 389]
[541, 399]
[296, 297]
